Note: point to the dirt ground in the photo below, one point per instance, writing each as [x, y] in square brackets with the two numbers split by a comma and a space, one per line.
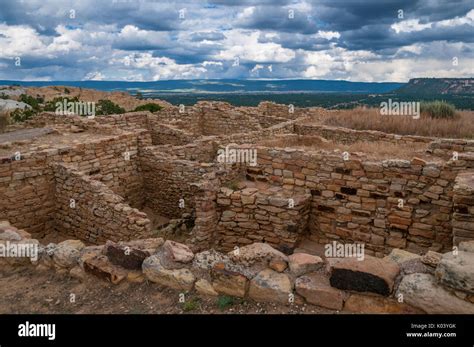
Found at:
[26, 290]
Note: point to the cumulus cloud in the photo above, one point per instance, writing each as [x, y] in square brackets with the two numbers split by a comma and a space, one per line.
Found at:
[149, 40]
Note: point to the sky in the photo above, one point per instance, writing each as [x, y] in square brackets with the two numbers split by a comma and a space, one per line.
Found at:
[149, 40]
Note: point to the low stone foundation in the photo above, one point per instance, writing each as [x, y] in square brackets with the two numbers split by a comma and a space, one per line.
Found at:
[400, 283]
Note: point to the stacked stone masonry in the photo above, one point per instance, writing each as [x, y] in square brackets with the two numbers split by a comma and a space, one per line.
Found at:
[155, 161]
[435, 283]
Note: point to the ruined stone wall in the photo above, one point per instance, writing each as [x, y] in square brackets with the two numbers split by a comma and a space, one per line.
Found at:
[219, 118]
[126, 121]
[349, 136]
[463, 216]
[203, 150]
[357, 200]
[27, 192]
[445, 148]
[252, 215]
[163, 134]
[434, 283]
[168, 179]
[27, 185]
[87, 209]
[115, 163]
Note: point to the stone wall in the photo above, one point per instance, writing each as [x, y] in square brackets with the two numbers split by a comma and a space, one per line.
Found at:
[400, 283]
[27, 192]
[27, 185]
[88, 210]
[168, 179]
[446, 148]
[126, 121]
[463, 216]
[273, 216]
[386, 204]
[163, 134]
[219, 118]
[349, 136]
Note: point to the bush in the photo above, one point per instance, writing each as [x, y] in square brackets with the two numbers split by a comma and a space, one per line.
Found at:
[20, 115]
[224, 302]
[105, 107]
[28, 99]
[152, 107]
[50, 106]
[191, 305]
[438, 109]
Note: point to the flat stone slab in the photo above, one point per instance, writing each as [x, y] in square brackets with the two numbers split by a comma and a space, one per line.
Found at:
[369, 275]
[271, 286]
[100, 266]
[422, 291]
[181, 279]
[301, 263]
[457, 271]
[316, 290]
[228, 282]
[375, 304]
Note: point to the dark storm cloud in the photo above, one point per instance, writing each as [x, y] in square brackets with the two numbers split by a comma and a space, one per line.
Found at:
[330, 35]
[208, 36]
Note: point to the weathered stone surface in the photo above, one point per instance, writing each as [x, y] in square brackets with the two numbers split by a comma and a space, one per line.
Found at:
[369, 275]
[399, 255]
[431, 258]
[67, 253]
[181, 279]
[86, 253]
[271, 286]
[125, 256]
[316, 290]
[457, 271]
[467, 246]
[207, 259]
[150, 245]
[228, 282]
[377, 304]
[100, 266]
[10, 235]
[78, 273]
[135, 276]
[278, 265]
[203, 287]
[422, 291]
[301, 263]
[177, 252]
[256, 253]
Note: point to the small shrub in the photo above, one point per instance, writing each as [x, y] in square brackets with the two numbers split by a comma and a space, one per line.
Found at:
[67, 91]
[152, 107]
[105, 107]
[232, 185]
[191, 305]
[28, 99]
[51, 105]
[224, 302]
[19, 115]
[438, 109]
[139, 95]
